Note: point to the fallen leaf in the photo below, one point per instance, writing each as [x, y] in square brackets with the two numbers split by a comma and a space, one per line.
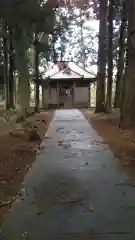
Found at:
[3, 203]
[86, 163]
[24, 234]
[40, 212]
[123, 194]
[126, 162]
[59, 143]
[44, 121]
[127, 205]
[69, 200]
[91, 208]
[42, 146]
[3, 182]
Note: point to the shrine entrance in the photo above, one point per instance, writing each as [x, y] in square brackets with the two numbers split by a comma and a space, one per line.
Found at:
[68, 87]
[66, 96]
[69, 93]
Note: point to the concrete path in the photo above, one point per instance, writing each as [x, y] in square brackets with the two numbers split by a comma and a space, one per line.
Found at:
[75, 189]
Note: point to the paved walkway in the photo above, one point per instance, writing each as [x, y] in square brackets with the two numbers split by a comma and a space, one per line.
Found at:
[75, 189]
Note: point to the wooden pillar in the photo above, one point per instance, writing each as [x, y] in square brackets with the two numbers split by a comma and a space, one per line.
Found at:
[49, 102]
[58, 102]
[49, 93]
[89, 95]
[74, 95]
[49, 97]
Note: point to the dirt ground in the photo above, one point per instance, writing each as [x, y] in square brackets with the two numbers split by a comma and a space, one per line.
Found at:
[16, 157]
[122, 143]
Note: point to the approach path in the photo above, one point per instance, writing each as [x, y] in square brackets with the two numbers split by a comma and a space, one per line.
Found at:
[75, 189]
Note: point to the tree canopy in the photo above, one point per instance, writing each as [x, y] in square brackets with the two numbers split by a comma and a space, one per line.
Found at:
[34, 32]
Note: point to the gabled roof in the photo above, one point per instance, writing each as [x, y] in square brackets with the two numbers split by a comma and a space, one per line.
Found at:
[68, 69]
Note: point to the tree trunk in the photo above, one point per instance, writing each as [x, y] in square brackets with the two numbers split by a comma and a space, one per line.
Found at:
[5, 52]
[23, 81]
[120, 69]
[11, 72]
[110, 57]
[23, 86]
[43, 98]
[36, 75]
[127, 118]
[82, 40]
[100, 93]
